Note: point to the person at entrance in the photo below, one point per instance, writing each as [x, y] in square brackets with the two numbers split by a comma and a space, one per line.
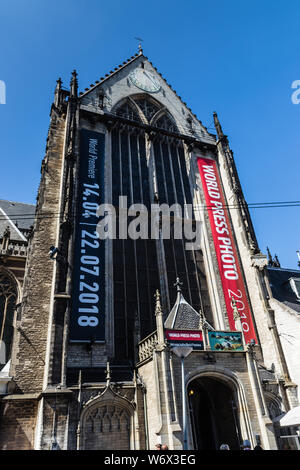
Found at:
[246, 445]
[224, 447]
[258, 447]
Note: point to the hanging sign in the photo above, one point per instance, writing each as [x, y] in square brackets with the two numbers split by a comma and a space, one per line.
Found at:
[228, 262]
[88, 297]
[225, 341]
[190, 338]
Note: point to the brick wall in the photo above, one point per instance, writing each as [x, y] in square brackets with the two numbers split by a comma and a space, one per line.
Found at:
[18, 420]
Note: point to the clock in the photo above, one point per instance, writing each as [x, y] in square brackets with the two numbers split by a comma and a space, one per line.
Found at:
[145, 80]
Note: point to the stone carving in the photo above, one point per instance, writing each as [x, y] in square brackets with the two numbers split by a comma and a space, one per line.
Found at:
[106, 421]
[259, 261]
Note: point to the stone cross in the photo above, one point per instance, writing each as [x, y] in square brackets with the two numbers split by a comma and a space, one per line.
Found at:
[178, 284]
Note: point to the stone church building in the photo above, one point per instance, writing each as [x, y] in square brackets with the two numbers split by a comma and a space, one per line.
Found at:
[123, 342]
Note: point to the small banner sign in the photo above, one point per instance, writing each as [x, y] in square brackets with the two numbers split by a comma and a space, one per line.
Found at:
[226, 250]
[225, 341]
[194, 339]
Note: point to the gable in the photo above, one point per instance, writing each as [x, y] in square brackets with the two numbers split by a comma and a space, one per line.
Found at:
[124, 83]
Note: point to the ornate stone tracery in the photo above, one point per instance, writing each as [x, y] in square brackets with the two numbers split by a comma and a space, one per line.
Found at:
[148, 111]
[106, 422]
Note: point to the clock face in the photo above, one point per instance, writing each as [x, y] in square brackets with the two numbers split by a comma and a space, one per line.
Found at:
[145, 80]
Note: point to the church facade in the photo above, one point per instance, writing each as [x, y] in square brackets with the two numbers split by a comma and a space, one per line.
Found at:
[127, 332]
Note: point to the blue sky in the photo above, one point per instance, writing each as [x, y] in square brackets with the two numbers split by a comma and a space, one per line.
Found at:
[238, 58]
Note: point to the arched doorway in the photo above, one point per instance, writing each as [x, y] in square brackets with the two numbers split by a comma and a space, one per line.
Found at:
[213, 414]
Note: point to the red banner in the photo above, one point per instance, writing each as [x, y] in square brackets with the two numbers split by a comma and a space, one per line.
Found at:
[230, 270]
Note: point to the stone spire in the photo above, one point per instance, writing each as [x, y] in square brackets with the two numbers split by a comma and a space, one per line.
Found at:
[74, 85]
[273, 262]
[202, 323]
[57, 92]
[159, 320]
[58, 83]
[178, 285]
[218, 126]
[269, 257]
[5, 238]
[276, 262]
[108, 374]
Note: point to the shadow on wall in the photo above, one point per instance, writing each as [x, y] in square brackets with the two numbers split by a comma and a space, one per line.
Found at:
[17, 426]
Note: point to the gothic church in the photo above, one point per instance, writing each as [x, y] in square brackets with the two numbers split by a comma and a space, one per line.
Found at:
[121, 343]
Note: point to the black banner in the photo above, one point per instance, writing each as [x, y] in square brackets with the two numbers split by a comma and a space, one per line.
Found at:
[88, 296]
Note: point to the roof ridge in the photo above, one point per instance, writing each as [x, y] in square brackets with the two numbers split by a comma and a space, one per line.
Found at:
[16, 202]
[283, 269]
[183, 102]
[111, 73]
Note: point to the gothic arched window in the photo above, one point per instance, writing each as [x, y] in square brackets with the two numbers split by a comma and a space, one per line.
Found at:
[274, 408]
[144, 109]
[8, 297]
[128, 112]
[148, 108]
[164, 122]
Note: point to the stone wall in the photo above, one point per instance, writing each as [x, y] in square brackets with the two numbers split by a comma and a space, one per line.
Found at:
[288, 325]
[29, 351]
[18, 421]
[165, 418]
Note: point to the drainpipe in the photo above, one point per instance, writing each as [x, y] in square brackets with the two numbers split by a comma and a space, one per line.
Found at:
[146, 417]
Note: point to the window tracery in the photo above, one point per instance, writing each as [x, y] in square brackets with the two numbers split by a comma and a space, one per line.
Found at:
[148, 109]
[126, 111]
[164, 122]
[106, 426]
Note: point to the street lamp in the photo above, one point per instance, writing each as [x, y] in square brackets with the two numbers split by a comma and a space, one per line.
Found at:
[182, 352]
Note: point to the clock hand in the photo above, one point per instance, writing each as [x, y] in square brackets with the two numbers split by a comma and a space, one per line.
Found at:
[145, 73]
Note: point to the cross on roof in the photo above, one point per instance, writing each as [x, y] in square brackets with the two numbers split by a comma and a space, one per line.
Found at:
[140, 45]
[178, 284]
